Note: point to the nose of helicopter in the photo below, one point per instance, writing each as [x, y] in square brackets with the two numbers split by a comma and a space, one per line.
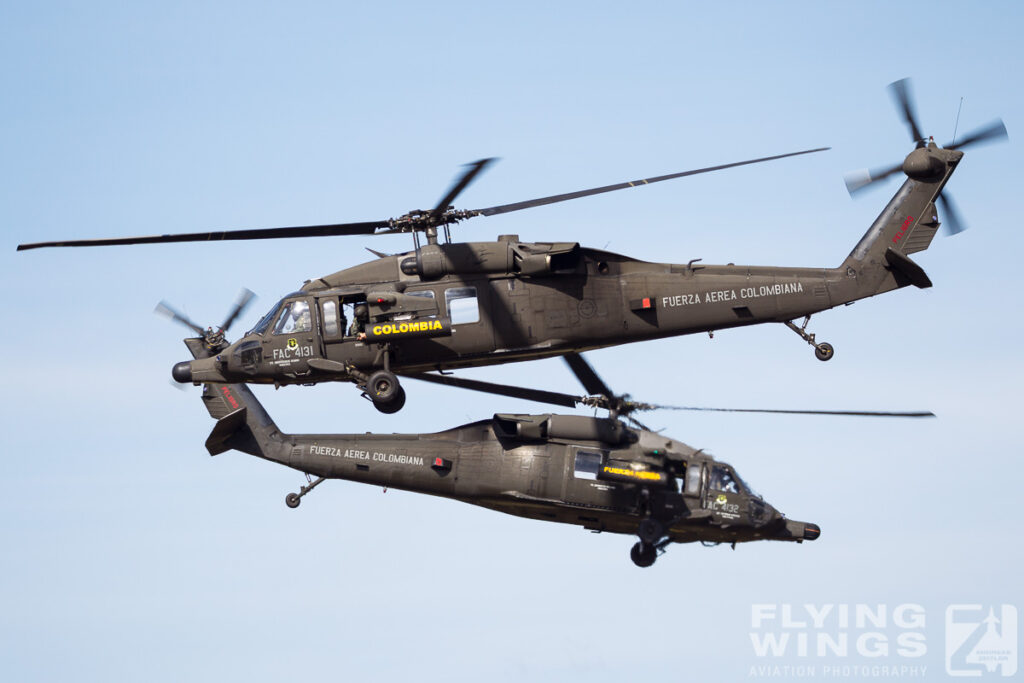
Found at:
[182, 372]
[198, 371]
[802, 531]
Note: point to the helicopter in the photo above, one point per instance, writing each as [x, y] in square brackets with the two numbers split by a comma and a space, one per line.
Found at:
[596, 472]
[448, 305]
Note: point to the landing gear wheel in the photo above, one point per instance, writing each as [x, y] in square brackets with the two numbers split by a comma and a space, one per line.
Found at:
[292, 500]
[394, 405]
[824, 351]
[382, 387]
[643, 554]
[387, 394]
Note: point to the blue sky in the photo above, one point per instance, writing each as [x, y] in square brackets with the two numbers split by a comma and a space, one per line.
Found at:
[131, 553]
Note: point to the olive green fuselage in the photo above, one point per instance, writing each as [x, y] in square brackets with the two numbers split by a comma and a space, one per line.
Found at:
[591, 472]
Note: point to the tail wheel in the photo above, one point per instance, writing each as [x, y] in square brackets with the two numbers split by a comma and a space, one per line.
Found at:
[824, 351]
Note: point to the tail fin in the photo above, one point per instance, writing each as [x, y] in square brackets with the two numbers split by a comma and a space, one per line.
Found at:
[226, 428]
[242, 422]
[907, 225]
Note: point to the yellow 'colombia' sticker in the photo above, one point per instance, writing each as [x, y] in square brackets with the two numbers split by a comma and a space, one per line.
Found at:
[406, 327]
[636, 474]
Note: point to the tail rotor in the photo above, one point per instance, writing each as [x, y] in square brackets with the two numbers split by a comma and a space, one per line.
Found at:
[213, 338]
[917, 162]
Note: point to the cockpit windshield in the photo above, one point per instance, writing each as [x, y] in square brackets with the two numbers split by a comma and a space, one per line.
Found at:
[749, 488]
[294, 319]
[265, 321]
[723, 479]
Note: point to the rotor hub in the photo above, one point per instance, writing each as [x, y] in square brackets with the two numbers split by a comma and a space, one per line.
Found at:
[924, 164]
[213, 338]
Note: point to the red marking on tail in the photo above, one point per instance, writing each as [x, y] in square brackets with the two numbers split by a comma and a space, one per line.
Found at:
[231, 399]
[899, 235]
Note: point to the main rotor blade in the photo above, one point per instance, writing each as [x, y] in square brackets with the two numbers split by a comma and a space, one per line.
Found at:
[951, 217]
[901, 93]
[258, 234]
[992, 132]
[854, 413]
[163, 308]
[539, 395]
[637, 423]
[587, 377]
[472, 171]
[568, 401]
[244, 298]
[506, 208]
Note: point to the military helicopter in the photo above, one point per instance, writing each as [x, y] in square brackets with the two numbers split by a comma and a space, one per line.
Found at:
[454, 305]
[594, 472]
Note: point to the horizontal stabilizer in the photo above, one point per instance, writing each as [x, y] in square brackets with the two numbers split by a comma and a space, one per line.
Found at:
[226, 427]
[903, 266]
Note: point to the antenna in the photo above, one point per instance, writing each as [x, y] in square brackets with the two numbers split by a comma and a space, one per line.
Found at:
[957, 124]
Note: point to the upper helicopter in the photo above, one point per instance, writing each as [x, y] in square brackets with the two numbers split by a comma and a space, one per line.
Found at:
[448, 305]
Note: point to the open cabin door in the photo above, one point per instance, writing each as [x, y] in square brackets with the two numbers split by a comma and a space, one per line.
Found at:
[332, 320]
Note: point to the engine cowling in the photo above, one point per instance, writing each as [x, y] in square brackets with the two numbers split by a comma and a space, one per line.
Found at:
[434, 261]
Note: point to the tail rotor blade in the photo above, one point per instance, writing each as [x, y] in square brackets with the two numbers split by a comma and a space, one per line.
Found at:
[901, 93]
[858, 180]
[163, 308]
[951, 216]
[993, 132]
[244, 299]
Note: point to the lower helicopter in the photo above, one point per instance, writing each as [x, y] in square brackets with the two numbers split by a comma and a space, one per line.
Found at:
[599, 473]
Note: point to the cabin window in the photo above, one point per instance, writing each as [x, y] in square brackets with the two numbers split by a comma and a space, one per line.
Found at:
[294, 319]
[693, 480]
[330, 309]
[462, 305]
[587, 465]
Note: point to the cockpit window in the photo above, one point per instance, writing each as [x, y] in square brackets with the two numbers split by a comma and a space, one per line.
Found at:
[722, 479]
[294, 319]
[265, 321]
